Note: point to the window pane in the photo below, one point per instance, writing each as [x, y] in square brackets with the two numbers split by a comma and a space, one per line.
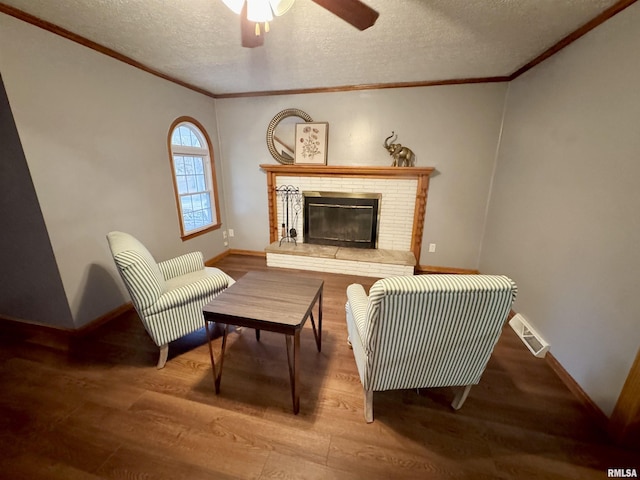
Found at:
[206, 201]
[199, 168]
[200, 183]
[182, 185]
[187, 213]
[186, 204]
[194, 140]
[191, 184]
[188, 165]
[185, 136]
[198, 219]
[196, 202]
[206, 216]
[178, 161]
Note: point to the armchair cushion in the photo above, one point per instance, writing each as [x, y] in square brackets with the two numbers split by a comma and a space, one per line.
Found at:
[194, 286]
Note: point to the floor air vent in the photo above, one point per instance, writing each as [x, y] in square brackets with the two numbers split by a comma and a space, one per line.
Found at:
[532, 339]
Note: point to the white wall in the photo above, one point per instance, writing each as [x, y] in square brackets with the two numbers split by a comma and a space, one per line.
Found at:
[94, 133]
[452, 128]
[564, 215]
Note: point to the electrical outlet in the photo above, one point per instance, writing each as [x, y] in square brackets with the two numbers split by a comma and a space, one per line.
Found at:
[231, 232]
[224, 234]
[432, 247]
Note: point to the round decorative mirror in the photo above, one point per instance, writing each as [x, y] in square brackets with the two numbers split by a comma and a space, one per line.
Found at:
[281, 134]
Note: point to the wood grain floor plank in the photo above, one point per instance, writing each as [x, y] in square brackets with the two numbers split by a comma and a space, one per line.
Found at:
[292, 467]
[131, 462]
[31, 466]
[375, 460]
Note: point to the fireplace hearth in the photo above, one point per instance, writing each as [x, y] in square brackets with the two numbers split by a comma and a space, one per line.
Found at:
[341, 219]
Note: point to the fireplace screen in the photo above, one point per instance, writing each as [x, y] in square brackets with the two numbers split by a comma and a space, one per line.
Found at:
[341, 219]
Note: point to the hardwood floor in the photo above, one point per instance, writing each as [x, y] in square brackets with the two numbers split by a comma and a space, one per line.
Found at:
[96, 407]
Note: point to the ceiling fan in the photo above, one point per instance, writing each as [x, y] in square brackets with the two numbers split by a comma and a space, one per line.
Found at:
[255, 12]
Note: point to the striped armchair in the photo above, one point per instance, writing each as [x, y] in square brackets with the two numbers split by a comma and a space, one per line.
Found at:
[169, 295]
[426, 331]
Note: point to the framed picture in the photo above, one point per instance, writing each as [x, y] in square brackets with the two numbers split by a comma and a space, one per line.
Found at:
[311, 143]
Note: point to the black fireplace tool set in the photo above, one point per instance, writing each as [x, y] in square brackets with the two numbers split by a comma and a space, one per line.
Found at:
[291, 206]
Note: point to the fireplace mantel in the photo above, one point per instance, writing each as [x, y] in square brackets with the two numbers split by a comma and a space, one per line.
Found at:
[419, 173]
[350, 171]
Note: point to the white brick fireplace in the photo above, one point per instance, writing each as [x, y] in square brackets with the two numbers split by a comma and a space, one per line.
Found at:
[403, 193]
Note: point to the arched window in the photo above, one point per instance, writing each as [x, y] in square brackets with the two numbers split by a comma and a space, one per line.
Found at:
[194, 178]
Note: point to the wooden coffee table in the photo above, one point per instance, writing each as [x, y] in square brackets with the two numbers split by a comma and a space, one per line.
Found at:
[275, 302]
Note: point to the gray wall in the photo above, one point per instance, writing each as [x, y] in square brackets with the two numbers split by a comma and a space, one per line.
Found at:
[564, 217]
[30, 284]
[452, 128]
[94, 133]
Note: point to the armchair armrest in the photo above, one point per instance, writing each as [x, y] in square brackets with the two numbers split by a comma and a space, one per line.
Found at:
[199, 291]
[358, 304]
[187, 263]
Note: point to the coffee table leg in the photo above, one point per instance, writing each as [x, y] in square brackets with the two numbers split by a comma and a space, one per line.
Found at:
[218, 377]
[317, 333]
[213, 361]
[217, 374]
[294, 368]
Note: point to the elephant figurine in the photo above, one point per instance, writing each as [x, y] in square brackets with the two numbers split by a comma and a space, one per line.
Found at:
[402, 156]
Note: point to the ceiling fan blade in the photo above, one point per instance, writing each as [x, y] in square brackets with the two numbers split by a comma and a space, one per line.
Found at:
[354, 12]
[248, 31]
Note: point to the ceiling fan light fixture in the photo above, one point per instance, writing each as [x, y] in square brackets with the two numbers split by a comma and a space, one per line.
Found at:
[259, 11]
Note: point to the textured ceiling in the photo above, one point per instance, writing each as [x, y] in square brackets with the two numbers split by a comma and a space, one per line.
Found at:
[198, 41]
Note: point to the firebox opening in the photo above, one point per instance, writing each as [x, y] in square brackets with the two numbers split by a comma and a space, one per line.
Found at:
[341, 219]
